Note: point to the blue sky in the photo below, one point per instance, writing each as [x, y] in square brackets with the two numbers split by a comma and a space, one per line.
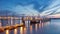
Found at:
[29, 7]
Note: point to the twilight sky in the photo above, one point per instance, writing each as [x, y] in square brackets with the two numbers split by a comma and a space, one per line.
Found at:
[29, 7]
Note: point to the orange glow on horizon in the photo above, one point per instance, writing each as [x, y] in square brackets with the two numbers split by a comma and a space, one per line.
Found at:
[54, 16]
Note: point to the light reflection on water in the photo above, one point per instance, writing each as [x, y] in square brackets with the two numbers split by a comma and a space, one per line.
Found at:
[21, 30]
[27, 30]
[7, 31]
[15, 31]
[38, 28]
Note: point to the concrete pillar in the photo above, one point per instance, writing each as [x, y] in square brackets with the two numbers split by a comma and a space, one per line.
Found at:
[11, 20]
[27, 23]
[40, 21]
[0, 23]
[20, 20]
[8, 21]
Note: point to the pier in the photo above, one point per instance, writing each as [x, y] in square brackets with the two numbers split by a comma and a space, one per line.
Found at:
[14, 22]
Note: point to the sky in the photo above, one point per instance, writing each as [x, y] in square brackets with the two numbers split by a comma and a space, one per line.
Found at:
[29, 7]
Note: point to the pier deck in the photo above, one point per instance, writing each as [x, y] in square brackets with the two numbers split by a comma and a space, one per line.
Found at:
[10, 27]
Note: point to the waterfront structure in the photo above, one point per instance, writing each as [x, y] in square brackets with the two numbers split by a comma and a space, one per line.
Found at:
[9, 20]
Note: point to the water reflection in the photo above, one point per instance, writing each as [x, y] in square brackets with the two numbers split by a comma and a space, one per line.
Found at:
[38, 28]
[21, 30]
[33, 29]
[7, 31]
[15, 31]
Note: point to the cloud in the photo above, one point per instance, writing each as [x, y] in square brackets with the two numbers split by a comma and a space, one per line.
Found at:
[55, 3]
[32, 7]
[52, 9]
[27, 10]
[57, 11]
[47, 12]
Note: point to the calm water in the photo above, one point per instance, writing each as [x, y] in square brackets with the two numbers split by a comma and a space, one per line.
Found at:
[51, 27]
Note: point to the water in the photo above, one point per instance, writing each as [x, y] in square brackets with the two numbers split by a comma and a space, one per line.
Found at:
[50, 27]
